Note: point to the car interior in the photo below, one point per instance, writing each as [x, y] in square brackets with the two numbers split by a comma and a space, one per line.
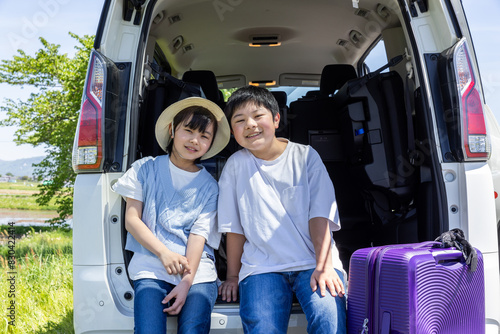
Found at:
[366, 125]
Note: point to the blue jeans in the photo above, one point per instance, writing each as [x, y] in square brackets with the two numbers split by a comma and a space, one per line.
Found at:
[148, 309]
[266, 302]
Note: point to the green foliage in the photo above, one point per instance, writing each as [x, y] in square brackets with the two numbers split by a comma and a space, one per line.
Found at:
[43, 282]
[49, 116]
[25, 202]
[37, 241]
[24, 231]
[227, 92]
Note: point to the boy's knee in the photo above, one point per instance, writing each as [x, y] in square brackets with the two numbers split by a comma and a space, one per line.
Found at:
[261, 321]
[326, 314]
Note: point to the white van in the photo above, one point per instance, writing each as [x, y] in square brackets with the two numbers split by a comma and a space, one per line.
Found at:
[410, 148]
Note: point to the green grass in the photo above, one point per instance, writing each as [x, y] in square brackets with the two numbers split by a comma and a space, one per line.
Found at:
[24, 202]
[20, 185]
[43, 280]
[24, 231]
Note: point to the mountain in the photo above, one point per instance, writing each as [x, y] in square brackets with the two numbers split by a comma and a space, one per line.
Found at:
[20, 167]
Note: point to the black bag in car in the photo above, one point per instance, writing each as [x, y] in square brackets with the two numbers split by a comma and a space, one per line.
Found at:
[159, 94]
[378, 137]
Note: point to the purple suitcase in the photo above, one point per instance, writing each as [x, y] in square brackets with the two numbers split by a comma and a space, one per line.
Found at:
[414, 289]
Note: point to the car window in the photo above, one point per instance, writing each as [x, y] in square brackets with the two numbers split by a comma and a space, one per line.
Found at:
[293, 93]
[376, 58]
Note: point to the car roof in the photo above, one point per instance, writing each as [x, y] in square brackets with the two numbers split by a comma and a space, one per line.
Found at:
[215, 35]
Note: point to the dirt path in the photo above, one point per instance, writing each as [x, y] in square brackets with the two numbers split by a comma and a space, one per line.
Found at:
[17, 192]
[16, 214]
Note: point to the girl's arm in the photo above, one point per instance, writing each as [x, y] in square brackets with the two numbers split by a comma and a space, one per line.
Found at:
[194, 250]
[234, 245]
[324, 275]
[174, 263]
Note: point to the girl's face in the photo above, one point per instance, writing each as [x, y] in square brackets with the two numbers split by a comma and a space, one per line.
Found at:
[189, 144]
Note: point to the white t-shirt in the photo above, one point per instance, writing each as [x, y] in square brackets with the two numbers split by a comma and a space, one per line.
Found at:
[271, 203]
[146, 266]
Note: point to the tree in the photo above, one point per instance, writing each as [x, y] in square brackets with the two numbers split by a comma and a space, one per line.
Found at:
[49, 116]
[227, 92]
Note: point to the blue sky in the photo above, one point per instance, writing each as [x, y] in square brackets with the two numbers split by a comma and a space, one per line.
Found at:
[22, 22]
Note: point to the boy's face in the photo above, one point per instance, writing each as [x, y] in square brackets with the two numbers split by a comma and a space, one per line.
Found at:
[254, 127]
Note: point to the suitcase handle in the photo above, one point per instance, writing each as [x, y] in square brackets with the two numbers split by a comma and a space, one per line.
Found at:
[449, 254]
[427, 244]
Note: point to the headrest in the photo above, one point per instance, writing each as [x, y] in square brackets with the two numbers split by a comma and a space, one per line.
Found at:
[313, 93]
[334, 76]
[280, 97]
[207, 81]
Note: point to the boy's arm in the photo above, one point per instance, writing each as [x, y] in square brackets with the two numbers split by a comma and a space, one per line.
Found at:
[324, 275]
[194, 250]
[234, 249]
[174, 263]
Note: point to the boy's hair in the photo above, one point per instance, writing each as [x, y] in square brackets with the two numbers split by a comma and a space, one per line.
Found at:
[201, 119]
[253, 94]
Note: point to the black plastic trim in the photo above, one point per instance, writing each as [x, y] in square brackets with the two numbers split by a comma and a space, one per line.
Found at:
[129, 6]
[423, 5]
[439, 187]
[432, 62]
[115, 114]
[101, 25]
[453, 18]
[135, 101]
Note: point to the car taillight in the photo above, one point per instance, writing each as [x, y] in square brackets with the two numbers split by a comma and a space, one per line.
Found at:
[87, 148]
[474, 135]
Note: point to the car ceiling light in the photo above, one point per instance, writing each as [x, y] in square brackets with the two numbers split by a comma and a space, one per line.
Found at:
[265, 40]
[258, 45]
[263, 83]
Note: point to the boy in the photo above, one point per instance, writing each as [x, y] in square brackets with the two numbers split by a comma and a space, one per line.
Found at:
[277, 206]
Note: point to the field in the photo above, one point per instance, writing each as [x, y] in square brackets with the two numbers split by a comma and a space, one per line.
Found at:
[19, 196]
[37, 289]
[37, 286]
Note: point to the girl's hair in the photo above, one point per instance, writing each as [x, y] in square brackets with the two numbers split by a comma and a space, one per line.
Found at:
[200, 120]
[261, 97]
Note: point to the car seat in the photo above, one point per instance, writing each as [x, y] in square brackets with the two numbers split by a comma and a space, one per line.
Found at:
[316, 122]
[208, 82]
[376, 136]
[158, 95]
[281, 98]
[316, 113]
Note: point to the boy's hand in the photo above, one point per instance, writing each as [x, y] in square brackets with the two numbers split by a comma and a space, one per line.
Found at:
[179, 294]
[174, 263]
[327, 278]
[229, 289]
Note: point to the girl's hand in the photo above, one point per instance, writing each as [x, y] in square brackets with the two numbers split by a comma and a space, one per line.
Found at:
[229, 288]
[327, 277]
[178, 295]
[174, 263]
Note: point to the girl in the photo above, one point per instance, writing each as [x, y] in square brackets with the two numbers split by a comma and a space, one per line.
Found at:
[170, 219]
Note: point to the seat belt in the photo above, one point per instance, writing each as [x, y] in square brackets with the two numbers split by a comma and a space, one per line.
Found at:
[409, 116]
[364, 79]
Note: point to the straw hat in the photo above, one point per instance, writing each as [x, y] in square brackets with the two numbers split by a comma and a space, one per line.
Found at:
[221, 138]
